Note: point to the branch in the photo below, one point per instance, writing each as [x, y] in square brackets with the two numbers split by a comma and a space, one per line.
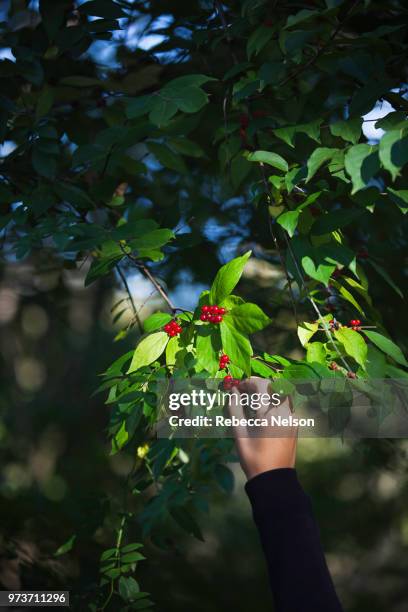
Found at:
[321, 49]
[146, 272]
[220, 11]
[277, 247]
[130, 298]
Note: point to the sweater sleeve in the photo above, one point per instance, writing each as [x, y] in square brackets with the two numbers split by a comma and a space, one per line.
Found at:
[298, 572]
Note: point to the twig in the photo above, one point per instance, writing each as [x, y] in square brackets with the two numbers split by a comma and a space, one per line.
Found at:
[130, 298]
[146, 272]
[277, 247]
[220, 11]
[321, 49]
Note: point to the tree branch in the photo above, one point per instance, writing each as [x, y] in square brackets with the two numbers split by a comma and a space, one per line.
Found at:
[130, 297]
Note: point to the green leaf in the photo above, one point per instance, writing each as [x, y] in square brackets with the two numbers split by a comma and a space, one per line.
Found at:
[266, 157]
[188, 99]
[172, 348]
[224, 477]
[128, 588]
[162, 111]
[316, 353]
[320, 269]
[353, 343]
[100, 267]
[66, 547]
[261, 369]
[400, 197]
[227, 278]
[153, 240]
[288, 134]
[306, 331]
[362, 163]
[190, 80]
[120, 439]
[208, 347]
[258, 39]
[376, 363]
[393, 151]
[148, 350]
[289, 220]
[44, 102]
[137, 107]
[387, 346]
[345, 293]
[186, 147]
[186, 521]
[382, 272]
[317, 159]
[73, 194]
[44, 164]
[131, 547]
[248, 318]
[156, 321]
[167, 157]
[236, 346]
[301, 16]
[132, 557]
[349, 130]
[337, 219]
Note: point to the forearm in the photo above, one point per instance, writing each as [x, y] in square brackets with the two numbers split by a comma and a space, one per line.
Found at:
[298, 572]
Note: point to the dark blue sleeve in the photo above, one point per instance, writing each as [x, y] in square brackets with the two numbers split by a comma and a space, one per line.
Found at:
[298, 572]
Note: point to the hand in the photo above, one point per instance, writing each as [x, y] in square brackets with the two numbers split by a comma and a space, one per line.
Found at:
[257, 454]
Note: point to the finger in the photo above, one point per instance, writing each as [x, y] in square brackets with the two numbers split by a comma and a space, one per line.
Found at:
[236, 409]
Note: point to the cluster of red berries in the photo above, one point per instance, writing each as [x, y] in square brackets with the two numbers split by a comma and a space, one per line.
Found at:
[172, 329]
[229, 382]
[354, 324]
[212, 314]
[224, 361]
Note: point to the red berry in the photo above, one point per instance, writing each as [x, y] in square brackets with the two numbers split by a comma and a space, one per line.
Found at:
[205, 309]
[357, 322]
[217, 319]
[204, 317]
[228, 382]
[214, 309]
[172, 333]
[221, 311]
[224, 360]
